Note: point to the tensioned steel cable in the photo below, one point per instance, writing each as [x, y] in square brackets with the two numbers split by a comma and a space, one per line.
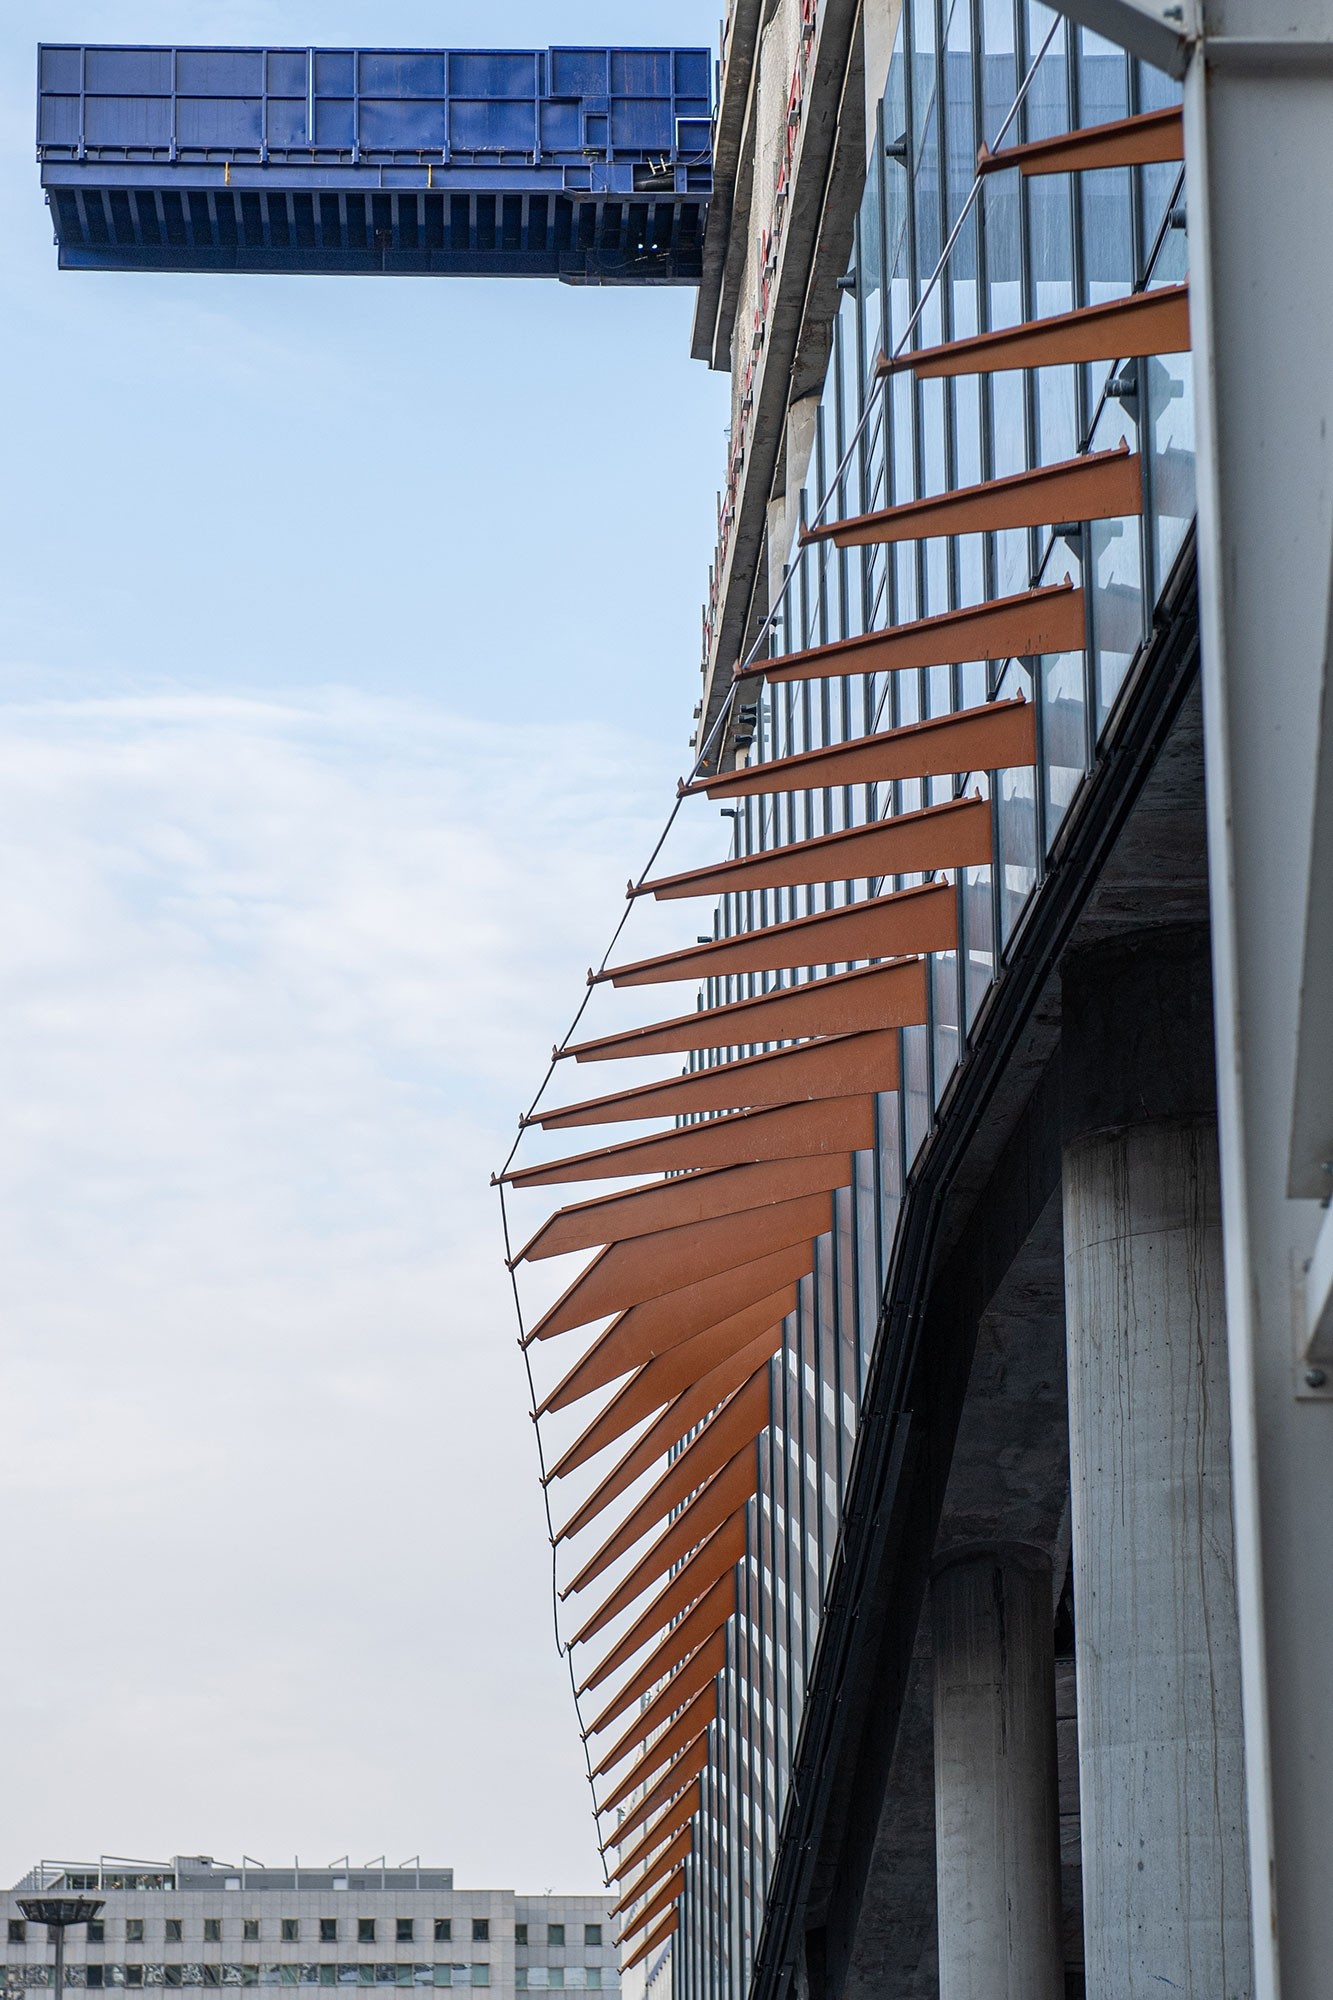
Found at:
[870, 421]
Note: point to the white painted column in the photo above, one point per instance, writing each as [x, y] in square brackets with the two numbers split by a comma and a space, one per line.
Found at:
[997, 1828]
[1165, 1882]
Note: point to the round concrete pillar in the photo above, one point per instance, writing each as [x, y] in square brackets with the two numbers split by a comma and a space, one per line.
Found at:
[997, 1831]
[1165, 1883]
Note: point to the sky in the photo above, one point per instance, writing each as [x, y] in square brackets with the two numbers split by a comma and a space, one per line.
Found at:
[349, 634]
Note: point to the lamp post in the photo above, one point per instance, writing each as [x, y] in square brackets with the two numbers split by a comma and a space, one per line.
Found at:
[58, 1913]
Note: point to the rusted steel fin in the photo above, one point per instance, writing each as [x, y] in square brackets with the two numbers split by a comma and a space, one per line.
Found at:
[682, 1199]
[1049, 619]
[628, 1274]
[955, 835]
[894, 926]
[873, 996]
[1151, 138]
[732, 1487]
[740, 1138]
[1100, 486]
[999, 736]
[655, 1328]
[713, 1560]
[736, 1424]
[692, 1723]
[843, 1066]
[1156, 322]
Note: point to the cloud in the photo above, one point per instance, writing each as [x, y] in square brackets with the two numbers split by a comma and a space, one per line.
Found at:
[278, 976]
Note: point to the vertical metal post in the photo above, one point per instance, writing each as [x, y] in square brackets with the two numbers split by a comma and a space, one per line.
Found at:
[59, 1930]
[1259, 124]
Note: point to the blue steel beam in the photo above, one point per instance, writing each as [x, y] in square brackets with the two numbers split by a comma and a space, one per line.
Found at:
[589, 164]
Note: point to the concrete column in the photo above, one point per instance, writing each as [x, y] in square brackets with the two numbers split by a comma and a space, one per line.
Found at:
[1165, 1883]
[997, 1826]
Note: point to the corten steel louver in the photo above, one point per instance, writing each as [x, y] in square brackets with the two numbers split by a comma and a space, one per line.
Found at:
[1101, 486]
[666, 1883]
[658, 1889]
[954, 835]
[732, 1487]
[842, 1066]
[740, 1138]
[698, 1671]
[713, 1355]
[708, 1617]
[693, 1721]
[710, 1385]
[1046, 620]
[872, 996]
[1145, 323]
[683, 1199]
[1001, 735]
[628, 1274]
[652, 1942]
[660, 1325]
[670, 1823]
[735, 1425]
[1151, 138]
[686, 1768]
[713, 1562]
[896, 926]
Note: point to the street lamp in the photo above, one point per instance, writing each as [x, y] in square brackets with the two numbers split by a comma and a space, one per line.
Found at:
[58, 1913]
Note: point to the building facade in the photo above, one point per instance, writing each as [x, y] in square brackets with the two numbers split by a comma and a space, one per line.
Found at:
[956, 1489]
[975, 1443]
[197, 1922]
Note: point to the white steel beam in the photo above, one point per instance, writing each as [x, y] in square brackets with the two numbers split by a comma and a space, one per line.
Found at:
[1155, 30]
[1259, 144]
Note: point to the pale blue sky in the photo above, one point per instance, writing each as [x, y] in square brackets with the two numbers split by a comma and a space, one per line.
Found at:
[348, 640]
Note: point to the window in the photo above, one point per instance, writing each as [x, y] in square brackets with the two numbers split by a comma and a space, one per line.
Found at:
[444, 1931]
[96, 1931]
[94, 1975]
[328, 1930]
[404, 1976]
[172, 1975]
[133, 1973]
[557, 1977]
[481, 1975]
[595, 1971]
[212, 1930]
[134, 1934]
[365, 1975]
[328, 1974]
[555, 1934]
[212, 1974]
[172, 1931]
[592, 1934]
[249, 1930]
[444, 1974]
[521, 1978]
[289, 1975]
[405, 1930]
[481, 1930]
[249, 1974]
[18, 1931]
[538, 1978]
[365, 1930]
[291, 1930]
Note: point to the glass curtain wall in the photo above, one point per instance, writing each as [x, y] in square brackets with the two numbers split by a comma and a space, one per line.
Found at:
[1025, 249]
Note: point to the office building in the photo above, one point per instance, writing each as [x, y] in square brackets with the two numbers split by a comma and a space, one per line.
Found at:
[197, 1922]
